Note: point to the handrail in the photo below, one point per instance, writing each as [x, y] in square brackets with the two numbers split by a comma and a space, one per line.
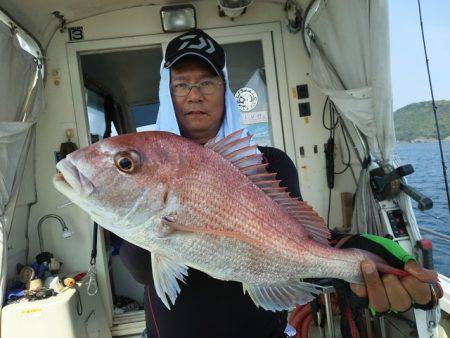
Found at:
[445, 238]
[444, 302]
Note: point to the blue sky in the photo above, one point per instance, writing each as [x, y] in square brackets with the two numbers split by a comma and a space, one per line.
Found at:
[409, 77]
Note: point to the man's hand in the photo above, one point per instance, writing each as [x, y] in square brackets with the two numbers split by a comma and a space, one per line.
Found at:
[388, 292]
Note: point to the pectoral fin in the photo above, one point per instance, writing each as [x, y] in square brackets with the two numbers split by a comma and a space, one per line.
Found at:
[279, 297]
[166, 273]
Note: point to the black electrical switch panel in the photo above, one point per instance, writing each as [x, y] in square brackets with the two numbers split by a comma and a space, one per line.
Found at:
[302, 151]
[304, 109]
[315, 149]
[398, 223]
[302, 91]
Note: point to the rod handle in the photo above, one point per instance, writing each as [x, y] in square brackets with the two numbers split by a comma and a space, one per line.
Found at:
[424, 202]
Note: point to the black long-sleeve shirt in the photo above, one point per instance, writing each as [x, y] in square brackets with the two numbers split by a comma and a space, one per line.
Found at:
[208, 307]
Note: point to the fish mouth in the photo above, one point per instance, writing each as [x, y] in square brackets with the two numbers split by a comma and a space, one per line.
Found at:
[70, 180]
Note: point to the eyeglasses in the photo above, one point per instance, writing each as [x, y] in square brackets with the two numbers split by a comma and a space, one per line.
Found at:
[206, 87]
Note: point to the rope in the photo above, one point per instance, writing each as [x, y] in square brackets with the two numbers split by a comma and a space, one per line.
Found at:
[152, 312]
[444, 167]
[79, 303]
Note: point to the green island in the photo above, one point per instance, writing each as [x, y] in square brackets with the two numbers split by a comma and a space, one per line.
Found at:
[415, 122]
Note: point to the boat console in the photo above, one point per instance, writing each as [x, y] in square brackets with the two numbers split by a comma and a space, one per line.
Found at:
[387, 183]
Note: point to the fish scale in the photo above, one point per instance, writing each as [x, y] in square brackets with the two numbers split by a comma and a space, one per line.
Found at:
[250, 219]
[214, 192]
[212, 208]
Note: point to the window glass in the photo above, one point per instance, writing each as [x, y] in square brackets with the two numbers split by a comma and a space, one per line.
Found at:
[96, 116]
[123, 84]
[248, 82]
[145, 116]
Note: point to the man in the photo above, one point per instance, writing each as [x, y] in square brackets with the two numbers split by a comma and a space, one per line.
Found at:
[196, 102]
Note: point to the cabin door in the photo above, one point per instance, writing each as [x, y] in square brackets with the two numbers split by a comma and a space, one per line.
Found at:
[115, 90]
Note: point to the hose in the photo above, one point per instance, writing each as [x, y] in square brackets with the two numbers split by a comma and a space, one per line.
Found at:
[306, 325]
[302, 318]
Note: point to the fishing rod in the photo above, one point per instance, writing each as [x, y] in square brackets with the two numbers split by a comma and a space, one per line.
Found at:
[444, 167]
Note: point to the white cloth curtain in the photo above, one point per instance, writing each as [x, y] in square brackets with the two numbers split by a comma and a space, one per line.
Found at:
[349, 46]
[21, 102]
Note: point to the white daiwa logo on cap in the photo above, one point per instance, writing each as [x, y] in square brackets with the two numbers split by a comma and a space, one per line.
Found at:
[201, 45]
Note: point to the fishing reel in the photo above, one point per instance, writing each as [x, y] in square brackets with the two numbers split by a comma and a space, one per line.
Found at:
[386, 183]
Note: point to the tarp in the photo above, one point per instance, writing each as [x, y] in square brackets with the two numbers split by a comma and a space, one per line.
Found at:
[350, 63]
[349, 45]
[21, 102]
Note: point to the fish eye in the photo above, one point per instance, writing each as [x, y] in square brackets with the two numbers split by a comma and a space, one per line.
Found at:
[127, 161]
[125, 164]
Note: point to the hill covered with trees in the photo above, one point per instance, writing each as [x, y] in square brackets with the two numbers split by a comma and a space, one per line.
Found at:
[415, 122]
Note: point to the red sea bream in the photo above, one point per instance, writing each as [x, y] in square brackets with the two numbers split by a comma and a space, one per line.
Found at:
[213, 208]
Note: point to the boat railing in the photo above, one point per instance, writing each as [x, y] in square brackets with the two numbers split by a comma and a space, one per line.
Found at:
[441, 236]
[444, 302]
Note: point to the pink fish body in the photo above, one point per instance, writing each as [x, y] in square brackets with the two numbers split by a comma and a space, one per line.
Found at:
[213, 208]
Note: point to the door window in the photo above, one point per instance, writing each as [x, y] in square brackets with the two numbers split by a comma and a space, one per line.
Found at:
[246, 69]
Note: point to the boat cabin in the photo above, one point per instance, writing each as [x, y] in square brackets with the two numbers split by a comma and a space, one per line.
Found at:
[311, 78]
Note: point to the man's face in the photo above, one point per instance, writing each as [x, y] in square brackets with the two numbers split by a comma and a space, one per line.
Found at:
[199, 115]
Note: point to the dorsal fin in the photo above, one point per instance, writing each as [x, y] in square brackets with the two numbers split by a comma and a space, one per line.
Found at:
[259, 168]
[243, 153]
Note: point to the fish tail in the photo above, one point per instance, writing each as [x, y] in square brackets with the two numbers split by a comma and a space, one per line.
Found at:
[386, 269]
[423, 275]
[382, 266]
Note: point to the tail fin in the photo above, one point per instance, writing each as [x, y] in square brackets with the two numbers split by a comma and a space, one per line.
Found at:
[424, 275]
[384, 268]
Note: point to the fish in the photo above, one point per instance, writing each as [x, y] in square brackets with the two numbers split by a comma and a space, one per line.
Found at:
[214, 208]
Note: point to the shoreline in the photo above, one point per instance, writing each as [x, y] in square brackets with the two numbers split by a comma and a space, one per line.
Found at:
[423, 140]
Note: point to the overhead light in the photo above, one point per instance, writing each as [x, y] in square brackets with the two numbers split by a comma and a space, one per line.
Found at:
[233, 8]
[178, 18]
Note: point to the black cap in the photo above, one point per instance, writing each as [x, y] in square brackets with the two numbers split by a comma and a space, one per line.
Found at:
[197, 43]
